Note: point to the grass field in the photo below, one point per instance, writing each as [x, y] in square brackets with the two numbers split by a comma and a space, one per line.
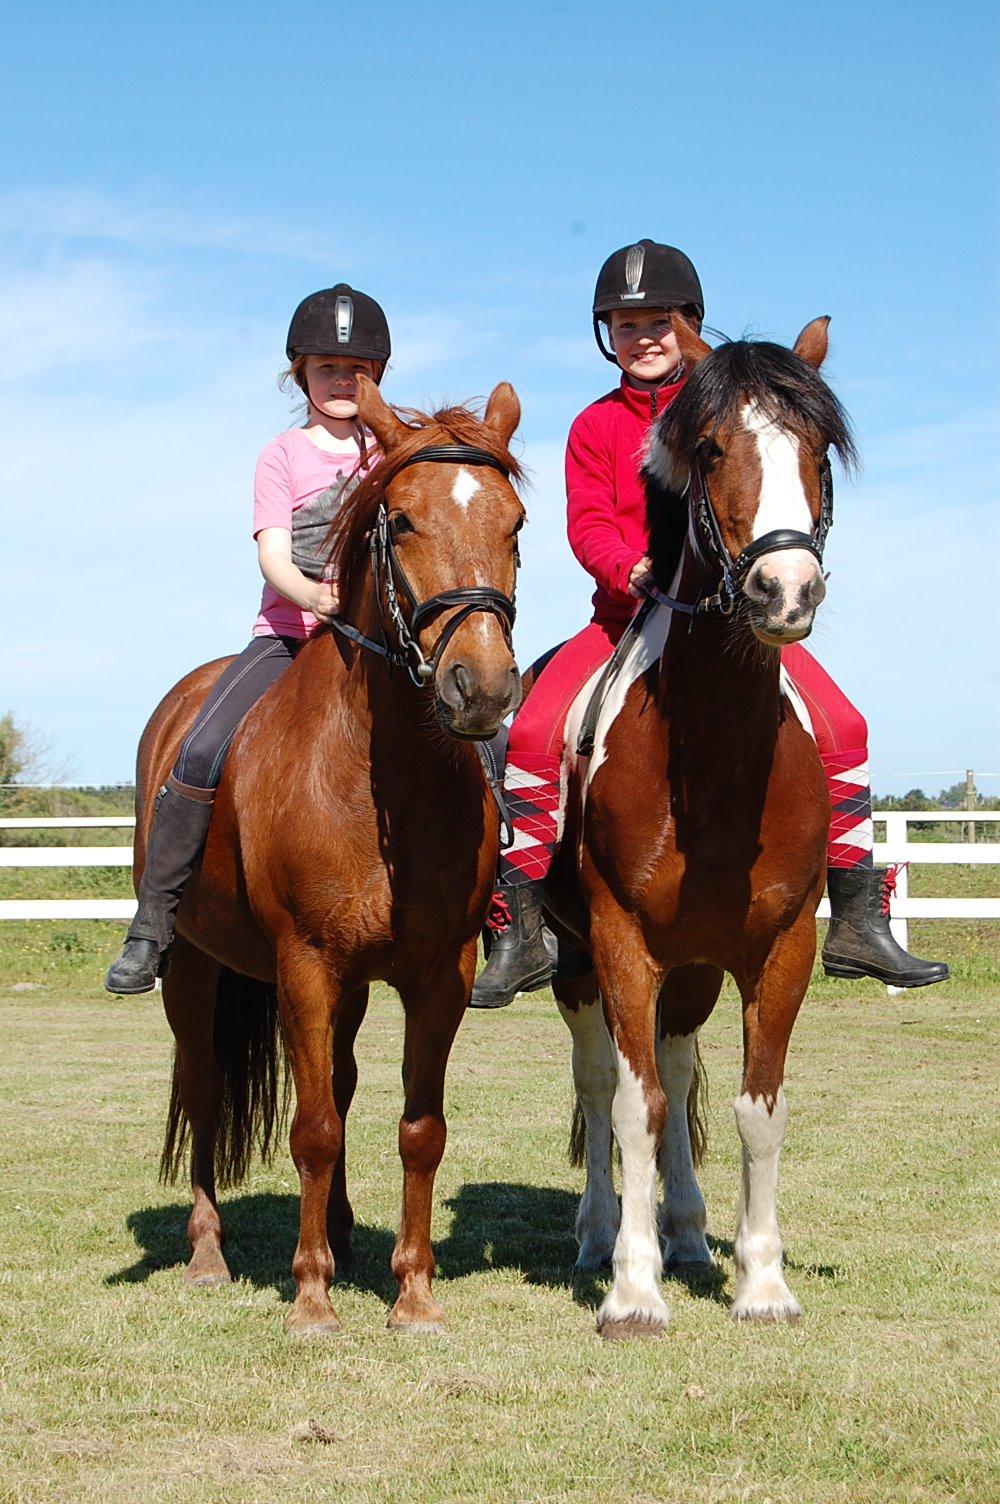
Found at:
[116, 1383]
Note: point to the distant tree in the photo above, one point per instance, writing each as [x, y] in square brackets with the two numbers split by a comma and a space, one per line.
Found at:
[15, 750]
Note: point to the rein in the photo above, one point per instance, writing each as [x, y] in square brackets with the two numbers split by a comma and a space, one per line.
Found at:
[734, 572]
[391, 581]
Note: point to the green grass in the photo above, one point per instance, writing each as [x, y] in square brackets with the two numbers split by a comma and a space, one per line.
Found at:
[117, 1383]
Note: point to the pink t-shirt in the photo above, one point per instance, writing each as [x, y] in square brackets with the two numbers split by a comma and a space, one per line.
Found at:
[300, 487]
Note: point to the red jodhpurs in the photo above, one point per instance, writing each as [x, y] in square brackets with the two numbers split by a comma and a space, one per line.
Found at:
[534, 753]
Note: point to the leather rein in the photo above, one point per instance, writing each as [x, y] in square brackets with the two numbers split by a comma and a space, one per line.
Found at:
[391, 582]
[733, 572]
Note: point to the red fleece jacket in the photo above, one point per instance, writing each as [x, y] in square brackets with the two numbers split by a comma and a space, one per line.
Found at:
[606, 514]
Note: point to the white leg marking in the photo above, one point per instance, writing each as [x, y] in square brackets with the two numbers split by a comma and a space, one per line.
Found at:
[595, 1076]
[465, 487]
[682, 1215]
[761, 1292]
[638, 1263]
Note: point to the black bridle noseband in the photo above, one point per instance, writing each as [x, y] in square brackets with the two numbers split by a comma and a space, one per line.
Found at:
[391, 581]
[734, 572]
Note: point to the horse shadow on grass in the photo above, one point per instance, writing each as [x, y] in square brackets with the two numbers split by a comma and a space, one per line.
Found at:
[495, 1225]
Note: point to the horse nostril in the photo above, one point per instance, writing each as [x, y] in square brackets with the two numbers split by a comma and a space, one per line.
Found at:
[763, 587]
[461, 680]
[815, 591]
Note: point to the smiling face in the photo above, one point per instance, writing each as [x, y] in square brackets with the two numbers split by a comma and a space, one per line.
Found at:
[330, 382]
[644, 342]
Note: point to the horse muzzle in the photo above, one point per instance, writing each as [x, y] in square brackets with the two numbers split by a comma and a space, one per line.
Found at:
[783, 591]
[472, 703]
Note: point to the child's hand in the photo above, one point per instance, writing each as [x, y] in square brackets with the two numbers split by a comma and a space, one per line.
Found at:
[642, 574]
[326, 601]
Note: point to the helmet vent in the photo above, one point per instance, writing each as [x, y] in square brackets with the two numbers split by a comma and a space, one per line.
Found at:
[344, 317]
[633, 268]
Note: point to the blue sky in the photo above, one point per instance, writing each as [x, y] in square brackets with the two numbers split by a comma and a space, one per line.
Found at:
[176, 177]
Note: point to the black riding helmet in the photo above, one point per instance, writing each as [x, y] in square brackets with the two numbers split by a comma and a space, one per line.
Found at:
[340, 321]
[648, 275]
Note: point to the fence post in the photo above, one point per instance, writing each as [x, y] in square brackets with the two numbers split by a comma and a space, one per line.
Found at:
[970, 803]
[895, 839]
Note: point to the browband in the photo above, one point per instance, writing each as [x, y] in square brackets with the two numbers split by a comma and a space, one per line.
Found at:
[455, 454]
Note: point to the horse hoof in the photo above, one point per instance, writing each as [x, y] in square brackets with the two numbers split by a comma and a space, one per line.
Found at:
[592, 1263]
[313, 1331]
[312, 1323]
[624, 1328]
[766, 1315]
[417, 1328]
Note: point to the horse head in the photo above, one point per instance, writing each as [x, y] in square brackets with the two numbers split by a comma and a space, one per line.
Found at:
[747, 439]
[441, 516]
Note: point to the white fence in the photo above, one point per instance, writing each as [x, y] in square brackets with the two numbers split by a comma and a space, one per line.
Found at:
[896, 848]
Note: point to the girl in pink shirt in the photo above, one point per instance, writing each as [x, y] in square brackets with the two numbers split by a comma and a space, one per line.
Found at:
[302, 478]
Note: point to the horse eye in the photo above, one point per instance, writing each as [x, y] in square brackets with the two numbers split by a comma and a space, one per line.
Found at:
[708, 451]
[400, 525]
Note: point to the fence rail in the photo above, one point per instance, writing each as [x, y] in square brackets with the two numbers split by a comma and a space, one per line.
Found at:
[896, 849]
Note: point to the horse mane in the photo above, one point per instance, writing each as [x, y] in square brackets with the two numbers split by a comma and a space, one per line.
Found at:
[785, 388]
[352, 527]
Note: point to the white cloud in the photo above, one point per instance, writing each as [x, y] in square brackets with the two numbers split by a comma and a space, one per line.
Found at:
[78, 214]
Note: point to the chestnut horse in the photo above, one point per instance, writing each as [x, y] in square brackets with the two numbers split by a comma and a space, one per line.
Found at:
[695, 835]
[353, 838]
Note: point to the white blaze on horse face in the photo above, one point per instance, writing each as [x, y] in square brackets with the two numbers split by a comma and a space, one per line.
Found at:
[783, 501]
[465, 487]
[782, 505]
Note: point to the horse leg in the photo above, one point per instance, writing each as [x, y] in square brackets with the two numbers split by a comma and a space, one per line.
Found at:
[771, 1001]
[339, 1214]
[434, 1011]
[594, 1078]
[189, 990]
[688, 997]
[630, 984]
[308, 995]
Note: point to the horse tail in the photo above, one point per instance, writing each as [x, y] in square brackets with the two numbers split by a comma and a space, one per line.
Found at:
[253, 1105]
[697, 1108]
[577, 1135]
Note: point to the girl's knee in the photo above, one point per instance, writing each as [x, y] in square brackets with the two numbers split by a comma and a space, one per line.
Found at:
[196, 761]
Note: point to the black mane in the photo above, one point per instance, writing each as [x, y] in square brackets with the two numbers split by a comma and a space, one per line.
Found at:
[780, 383]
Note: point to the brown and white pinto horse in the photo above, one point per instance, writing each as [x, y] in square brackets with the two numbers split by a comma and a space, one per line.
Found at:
[353, 838]
[695, 835]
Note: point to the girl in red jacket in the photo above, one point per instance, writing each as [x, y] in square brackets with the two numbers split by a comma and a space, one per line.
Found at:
[637, 290]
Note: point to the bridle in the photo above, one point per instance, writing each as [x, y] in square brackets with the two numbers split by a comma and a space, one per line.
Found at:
[734, 572]
[391, 582]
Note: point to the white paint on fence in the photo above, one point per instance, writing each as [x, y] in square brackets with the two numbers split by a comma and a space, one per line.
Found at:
[896, 849]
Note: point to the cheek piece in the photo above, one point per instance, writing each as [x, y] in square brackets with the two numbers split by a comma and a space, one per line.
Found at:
[733, 572]
[391, 582]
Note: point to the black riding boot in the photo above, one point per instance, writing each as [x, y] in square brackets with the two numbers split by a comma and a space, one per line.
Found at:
[518, 959]
[859, 942]
[178, 833]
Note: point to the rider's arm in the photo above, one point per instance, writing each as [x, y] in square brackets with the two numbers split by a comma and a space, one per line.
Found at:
[595, 534]
[274, 554]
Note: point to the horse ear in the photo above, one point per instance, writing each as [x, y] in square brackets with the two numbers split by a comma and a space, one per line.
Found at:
[376, 414]
[503, 411]
[691, 345]
[814, 341]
